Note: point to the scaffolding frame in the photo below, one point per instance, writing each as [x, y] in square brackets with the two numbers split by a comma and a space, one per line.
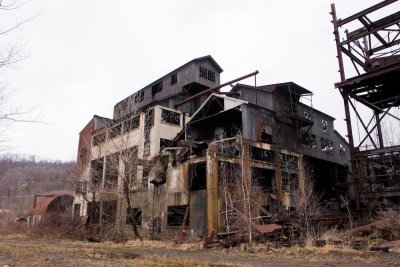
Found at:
[374, 53]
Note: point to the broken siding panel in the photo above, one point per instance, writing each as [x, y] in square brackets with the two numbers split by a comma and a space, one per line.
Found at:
[255, 120]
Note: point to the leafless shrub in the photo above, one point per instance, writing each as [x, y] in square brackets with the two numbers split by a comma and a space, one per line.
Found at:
[307, 208]
[390, 223]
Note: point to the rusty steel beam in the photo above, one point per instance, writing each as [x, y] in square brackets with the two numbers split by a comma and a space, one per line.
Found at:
[371, 9]
[379, 48]
[337, 41]
[362, 123]
[373, 128]
[212, 89]
[372, 106]
[373, 28]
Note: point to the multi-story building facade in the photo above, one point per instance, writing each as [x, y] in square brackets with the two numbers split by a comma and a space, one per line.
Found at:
[200, 164]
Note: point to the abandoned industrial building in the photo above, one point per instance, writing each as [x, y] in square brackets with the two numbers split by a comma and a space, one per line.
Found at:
[181, 154]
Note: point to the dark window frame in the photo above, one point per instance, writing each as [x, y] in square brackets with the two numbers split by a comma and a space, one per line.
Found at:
[174, 78]
[170, 117]
[176, 215]
[157, 87]
[96, 172]
[132, 124]
[327, 146]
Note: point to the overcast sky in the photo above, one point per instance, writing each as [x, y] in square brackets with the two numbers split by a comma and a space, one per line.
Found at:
[85, 56]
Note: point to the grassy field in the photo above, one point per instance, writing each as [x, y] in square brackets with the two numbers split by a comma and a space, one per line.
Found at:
[22, 250]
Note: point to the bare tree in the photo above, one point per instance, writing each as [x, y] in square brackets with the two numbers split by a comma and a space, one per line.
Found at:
[10, 54]
[115, 167]
[236, 186]
[307, 206]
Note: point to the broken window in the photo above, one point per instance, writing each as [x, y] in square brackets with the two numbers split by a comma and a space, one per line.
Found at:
[114, 131]
[342, 151]
[327, 146]
[308, 115]
[109, 211]
[202, 72]
[289, 181]
[99, 138]
[262, 178]
[288, 161]
[149, 118]
[261, 154]
[309, 140]
[156, 88]
[197, 176]
[149, 122]
[93, 210]
[146, 148]
[132, 124]
[96, 172]
[265, 137]
[139, 96]
[207, 74]
[171, 117]
[325, 126]
[137, 216]
[226, 148]
[80, 187]
[112, 165]
[229, 173]
[164, 143]
[174, 78]
[177, 215]
[143, 184]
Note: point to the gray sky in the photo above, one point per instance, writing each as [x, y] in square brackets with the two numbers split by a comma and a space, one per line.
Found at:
[84, 56]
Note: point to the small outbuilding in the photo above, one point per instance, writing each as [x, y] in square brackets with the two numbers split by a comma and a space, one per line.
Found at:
[51, 208]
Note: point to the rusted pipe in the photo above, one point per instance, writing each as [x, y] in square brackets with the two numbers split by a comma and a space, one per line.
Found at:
[214, 89]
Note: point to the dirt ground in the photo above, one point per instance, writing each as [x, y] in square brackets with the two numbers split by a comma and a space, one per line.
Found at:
[21, 250]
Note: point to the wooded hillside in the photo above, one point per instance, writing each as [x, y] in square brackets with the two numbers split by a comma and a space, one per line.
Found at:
[22, 175]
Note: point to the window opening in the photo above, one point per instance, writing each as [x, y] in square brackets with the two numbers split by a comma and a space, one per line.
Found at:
[114, 131]
[96, 167]
[174, 78]
[156, 88]
[132, 124]
[309, 140]
[327, 146]
[288, 161]
[171, 117]
[112, 166]
[176, 215]
[261, 154]
[164, 143]
[325, 126]
[207, 74]
[93, 210]
[198, 175]
[229, 173]
[342, 151]
[262, 178]
[109, 211]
